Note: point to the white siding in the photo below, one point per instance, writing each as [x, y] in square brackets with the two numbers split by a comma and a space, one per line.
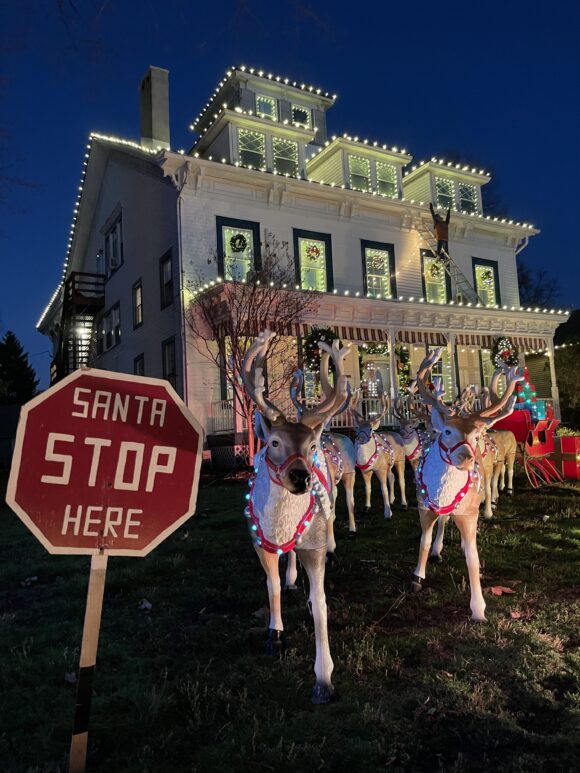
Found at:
[330, 170]
[417, 189]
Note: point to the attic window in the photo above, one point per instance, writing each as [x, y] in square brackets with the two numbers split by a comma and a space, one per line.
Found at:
[266, 107]
[252, 149]
[445, 192]
[359, 173]
[387, 179]
[467, 197]
[301, 116]
[285, 154]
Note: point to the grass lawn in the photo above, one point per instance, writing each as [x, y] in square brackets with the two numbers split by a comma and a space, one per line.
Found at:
[185, 686]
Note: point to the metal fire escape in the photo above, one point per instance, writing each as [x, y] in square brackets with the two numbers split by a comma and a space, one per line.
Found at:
[83, 298]
[462, 288]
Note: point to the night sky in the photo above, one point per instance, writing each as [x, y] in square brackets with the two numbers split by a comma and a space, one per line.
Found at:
[495, 82]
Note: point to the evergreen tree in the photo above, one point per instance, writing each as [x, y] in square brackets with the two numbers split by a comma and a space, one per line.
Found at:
[18, 380]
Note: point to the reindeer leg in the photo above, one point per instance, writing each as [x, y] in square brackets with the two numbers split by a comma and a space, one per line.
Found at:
[488, 482]
[269, 561]
[502, 478]
[435, 554]
[510, 460]
[382, 476]
[427, 522]
[348, 482]
[291, 572]
[401, 474]
[467, 525]
[497, 468]
[367, 476]
[391, 479]
[313, 562]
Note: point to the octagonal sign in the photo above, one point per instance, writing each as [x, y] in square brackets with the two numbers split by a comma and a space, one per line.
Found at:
[105, 462]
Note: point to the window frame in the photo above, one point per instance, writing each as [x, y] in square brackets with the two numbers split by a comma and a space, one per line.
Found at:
[397, 194]
[164, 344]
[242, 130]
[116, 224]
[166, 257]
[453, 205]
[494, 264]
[367, 161]
[296, 173]
[246, 225]
[448, 289]
[475, 209]
[140, 358]
[386, 247]
[137, 285]
[258, 96]
[114, 332]
[299, 233]
[308, 125]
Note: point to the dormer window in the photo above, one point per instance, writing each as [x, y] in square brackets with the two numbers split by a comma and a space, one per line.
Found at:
[252, 148]
[301, 116]
[266, 107]
[445, 192]
[285, 155]
[467, 198]
[359, 173]
[387, 179]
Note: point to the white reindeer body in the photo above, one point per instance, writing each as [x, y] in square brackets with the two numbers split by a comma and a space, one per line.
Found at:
[443, 488]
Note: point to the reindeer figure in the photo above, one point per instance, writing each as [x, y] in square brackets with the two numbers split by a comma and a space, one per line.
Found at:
[504, 441]
[378, 453]
[338, 449]
[290, 499]
[449, 478]
[414, 439]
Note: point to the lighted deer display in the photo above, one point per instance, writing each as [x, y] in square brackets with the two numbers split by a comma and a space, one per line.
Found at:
[338, 449]
[503, 440]
[290, 499]
[449, 477]
[378, 452]
[414, 439]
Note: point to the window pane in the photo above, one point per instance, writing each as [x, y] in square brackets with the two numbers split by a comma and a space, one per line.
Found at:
[442, 370]
[139, 365]
[359, 170]
[485, 283]
[252, 149]
[301, 116]
[167, 271]
[312, 254]
[445, 192]
[266, 107]
[387, 179]
[238, 245]
[168, 356]
[285, 156]
[435, 285]
[378, 272]
[137, 305]
[467, 197]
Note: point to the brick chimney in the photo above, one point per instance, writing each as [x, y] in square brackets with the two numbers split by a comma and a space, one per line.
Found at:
[154, 99]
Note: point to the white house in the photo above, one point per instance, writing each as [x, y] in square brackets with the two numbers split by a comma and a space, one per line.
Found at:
[354, 212]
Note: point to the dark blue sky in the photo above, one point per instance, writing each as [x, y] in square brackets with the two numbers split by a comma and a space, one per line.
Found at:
[497, 82]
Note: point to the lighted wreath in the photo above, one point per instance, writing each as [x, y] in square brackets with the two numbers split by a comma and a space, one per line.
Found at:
[313, 251]
[487, 277]
[311, 349]
[238, 243]
[435, 271]
[504, 352]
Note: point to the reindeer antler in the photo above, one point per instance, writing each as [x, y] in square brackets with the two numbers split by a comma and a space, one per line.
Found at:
[335, 396]
[497, 403]
[253, 377]
[429, 397]
[399, 413]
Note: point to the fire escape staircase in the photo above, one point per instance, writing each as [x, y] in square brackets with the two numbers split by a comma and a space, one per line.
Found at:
[83, 299]
[465, 292]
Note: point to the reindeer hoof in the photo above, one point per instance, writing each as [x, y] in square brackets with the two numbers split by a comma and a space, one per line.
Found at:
[404, 507]
[275, 643]
[352, 535]
[435, 558]
[478, 618]
[388, 515]
[510, 492]
[322, 693]
[416, 584]
[290, 587]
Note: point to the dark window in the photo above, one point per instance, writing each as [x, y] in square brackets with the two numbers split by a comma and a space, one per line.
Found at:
[166, 280]
[379, 269]
[139, 365]
[168, 357]
[313, 260]
[301, 116]
[137, 304]
[238, 247]
[109, 330]
[114, 247]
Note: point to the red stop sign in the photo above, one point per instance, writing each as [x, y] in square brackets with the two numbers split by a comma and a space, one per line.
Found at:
[105, 461]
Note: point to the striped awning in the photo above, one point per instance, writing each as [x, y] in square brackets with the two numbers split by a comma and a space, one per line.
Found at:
[344, 332]
[474, 339]
[432, 338]
[528, 343]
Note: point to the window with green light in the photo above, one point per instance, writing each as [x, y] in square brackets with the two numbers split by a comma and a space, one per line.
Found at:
[238, 248]
[359, 173]
[312, 255]
[252, 147]
[266, 107]
[387, 179]
[435, 279]
[445, 192]
[467, 198]
[442, 370]
[302, 116]
[486, 283]
[378, 272]
[285, 153]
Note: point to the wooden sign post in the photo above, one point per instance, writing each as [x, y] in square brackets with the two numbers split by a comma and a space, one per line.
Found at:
[104, 464]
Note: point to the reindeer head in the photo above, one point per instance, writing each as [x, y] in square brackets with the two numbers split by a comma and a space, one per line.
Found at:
[460, 426]
[290, 446]
[408, 425]
[364, 428]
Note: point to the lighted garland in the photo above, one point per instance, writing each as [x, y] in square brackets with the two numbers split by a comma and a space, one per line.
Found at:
[504, 352]
[403, 367]
[310, 348]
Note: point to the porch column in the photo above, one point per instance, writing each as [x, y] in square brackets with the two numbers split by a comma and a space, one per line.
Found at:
[555, 393]
[393, 362]
[452, 365]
